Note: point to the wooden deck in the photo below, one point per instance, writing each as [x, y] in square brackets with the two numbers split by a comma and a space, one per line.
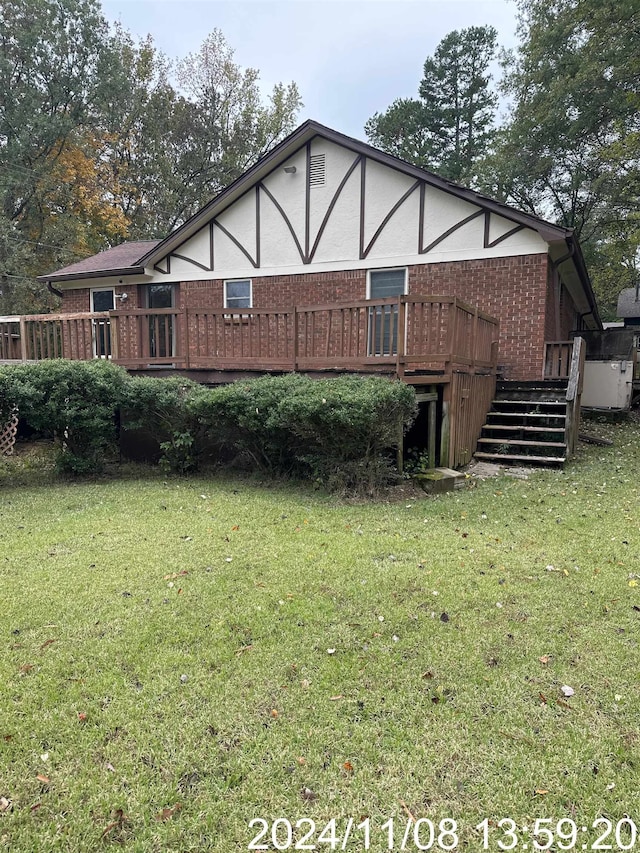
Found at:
[405, 336]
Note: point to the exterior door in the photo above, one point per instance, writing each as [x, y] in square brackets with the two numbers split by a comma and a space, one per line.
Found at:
[161, 327]
[102, 300]
[383, 319]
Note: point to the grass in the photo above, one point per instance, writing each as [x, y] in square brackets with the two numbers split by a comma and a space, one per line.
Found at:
[180, 657]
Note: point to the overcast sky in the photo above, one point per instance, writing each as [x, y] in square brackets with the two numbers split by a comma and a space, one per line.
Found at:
[349, 59]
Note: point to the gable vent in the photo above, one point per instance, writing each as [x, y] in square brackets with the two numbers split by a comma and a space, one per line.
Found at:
[316, 170]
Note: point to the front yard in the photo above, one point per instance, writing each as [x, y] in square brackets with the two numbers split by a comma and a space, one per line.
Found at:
[180, 657]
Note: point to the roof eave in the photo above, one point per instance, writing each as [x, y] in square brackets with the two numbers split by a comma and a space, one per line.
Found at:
[78, 276]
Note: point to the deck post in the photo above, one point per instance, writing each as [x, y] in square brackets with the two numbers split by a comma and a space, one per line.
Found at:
[445, 432]
[431, 437]
[23, 338]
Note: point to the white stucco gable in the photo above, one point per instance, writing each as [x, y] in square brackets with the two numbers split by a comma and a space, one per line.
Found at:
[326, 205]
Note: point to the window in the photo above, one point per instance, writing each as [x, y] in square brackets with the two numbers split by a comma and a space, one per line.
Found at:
[237, 294]
[384, 283]
[383, 319]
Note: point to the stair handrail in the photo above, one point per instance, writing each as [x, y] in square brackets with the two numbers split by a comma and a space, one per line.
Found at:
[574, 393]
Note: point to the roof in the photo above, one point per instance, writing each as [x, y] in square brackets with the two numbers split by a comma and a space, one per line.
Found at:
[564, 247]
[119, 260]
[628, 303]
[297, 140]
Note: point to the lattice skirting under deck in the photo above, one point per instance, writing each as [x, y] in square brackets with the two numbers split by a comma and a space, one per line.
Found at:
[8, 435]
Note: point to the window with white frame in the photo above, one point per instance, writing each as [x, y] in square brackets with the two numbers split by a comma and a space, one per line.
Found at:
[383, 319]
[237, 293]
[384, 283]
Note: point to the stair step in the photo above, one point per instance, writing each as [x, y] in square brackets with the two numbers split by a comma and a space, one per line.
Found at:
[512, 457]
[525, 415]
[501, 401]
[532, 385]
[521, 442]
[523, 428]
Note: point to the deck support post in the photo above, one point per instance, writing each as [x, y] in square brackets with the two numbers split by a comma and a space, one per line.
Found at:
[445, 433]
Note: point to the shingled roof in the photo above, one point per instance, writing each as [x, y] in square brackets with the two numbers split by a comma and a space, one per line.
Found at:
[119, 260]
[628, 303]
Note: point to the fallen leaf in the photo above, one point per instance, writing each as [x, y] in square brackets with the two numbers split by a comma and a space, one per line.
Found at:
[406, 808]
[82, 717]
[540, 792]
[331, 651]
[308, 795]
[5, 804]
[348, 766]
[44, 757]
[110, 767]
[120, 819]
[544, 659]
[46, 643]
[301, 760]
[567, 691]
[542, 698]
[26, 667]
[274, 713]
[564, 704]
[335, 698]
[44, 779]
[165, 814]
[444, 617]
[427, 674]
[35, 807]
[236, 527]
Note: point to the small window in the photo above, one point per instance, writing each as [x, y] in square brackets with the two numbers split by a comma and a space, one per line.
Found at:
[385, 283]
[237, 294]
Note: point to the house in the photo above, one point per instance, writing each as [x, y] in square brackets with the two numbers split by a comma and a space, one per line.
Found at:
[327, 255]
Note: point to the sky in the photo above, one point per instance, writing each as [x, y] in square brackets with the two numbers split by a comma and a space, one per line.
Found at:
[349, 58]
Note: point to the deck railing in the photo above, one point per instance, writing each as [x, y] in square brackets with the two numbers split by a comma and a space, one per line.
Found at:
[401, 334]
[557, 359]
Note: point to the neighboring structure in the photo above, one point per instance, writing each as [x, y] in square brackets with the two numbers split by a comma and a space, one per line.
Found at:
[328, 254]
[629, 306]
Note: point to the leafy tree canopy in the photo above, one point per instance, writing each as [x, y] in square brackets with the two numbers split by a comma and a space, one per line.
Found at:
[103, 139]
[451, 125]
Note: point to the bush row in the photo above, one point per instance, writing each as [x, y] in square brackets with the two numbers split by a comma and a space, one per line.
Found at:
[338, 430]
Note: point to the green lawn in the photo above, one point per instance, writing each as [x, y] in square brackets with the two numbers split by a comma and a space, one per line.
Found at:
[180, 657]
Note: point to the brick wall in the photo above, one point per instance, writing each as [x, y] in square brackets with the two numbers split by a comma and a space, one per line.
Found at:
[516, 290]
[79, 300]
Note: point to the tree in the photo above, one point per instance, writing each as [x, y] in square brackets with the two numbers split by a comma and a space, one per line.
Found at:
[571, 149]
[451, 126]
[51, 66]
[99, 144]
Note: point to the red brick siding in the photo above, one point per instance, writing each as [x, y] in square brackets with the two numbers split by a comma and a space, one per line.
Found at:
[75, 301]
[513, 289]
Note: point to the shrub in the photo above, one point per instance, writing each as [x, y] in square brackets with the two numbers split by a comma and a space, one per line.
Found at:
[335, 430]
[159, 406]
[77, 401]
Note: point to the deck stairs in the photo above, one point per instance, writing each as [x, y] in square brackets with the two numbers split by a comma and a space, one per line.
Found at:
[527, 424]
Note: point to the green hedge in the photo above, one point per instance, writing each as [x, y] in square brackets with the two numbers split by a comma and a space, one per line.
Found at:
[338, 431]
[76, 401]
